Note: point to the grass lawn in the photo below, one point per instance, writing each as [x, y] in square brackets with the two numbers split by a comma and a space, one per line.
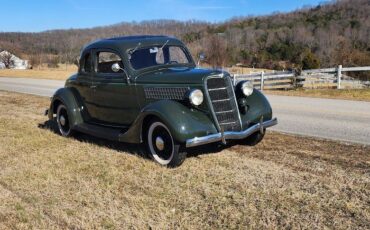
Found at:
[61, 73]
[347, 94]
[47, 181]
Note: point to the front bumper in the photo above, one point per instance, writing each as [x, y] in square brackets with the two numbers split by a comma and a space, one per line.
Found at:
[196, 141]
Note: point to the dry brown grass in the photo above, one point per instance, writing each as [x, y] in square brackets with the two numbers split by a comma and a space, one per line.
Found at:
[47, 181]
[347, 94]
[61, 73]
[246, 70]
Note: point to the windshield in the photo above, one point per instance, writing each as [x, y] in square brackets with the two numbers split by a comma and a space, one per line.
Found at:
[157, 55]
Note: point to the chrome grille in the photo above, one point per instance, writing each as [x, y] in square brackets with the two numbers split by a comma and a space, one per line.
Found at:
[161, 93]
[222, 98]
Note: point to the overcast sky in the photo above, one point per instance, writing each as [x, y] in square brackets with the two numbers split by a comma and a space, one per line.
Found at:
[40, 15]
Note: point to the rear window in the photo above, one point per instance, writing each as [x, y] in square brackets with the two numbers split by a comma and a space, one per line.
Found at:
[156, 55]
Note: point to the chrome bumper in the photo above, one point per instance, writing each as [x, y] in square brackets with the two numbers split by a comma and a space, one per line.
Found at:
[196, 141]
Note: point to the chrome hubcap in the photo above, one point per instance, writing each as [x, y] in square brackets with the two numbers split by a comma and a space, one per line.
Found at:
[159, 143]
[62, 120]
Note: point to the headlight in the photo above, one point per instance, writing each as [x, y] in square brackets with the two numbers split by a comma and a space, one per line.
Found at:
[247, 88]
[196, 97]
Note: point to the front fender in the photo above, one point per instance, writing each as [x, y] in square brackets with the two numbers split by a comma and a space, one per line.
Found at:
[68, 97]
[183, 122]
[257, 106]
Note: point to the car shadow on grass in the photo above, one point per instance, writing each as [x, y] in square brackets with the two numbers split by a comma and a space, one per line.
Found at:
[134, 149]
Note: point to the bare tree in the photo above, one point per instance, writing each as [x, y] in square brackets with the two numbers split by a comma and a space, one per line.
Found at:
[216, 51]
[336, 32]
[7, 59]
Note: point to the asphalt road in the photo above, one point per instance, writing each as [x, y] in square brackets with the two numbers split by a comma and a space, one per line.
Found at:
[39, 87]
[343, 120]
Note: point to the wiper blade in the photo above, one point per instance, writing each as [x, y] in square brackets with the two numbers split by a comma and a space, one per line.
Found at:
[165, 44]
[137, 47]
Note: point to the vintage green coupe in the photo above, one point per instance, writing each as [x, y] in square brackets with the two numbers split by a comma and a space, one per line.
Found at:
[147, 89]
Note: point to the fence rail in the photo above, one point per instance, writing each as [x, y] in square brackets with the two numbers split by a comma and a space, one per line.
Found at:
[313, 78]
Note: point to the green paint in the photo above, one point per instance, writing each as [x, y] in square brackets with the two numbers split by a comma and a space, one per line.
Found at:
[118, 99]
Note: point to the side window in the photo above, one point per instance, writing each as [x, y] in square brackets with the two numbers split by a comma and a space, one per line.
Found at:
[86, 63]
[178, 55]
[105, 61]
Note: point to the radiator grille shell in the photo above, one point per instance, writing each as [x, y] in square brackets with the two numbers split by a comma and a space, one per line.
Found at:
[222, 99]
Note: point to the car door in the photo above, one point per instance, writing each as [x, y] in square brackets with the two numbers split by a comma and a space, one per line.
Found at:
[83, 82]
[113, 96]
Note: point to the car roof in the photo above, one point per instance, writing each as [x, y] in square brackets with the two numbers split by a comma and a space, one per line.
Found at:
[128, 42]
[136, 37]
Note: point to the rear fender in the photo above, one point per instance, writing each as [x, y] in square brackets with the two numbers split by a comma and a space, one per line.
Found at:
[69, 98]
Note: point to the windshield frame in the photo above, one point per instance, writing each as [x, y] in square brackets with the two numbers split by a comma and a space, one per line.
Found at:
[190, 64]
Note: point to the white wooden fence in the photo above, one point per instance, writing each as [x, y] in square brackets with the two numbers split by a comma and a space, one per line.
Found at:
[313, 78]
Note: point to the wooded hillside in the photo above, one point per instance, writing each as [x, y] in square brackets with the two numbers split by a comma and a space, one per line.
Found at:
[333, 33]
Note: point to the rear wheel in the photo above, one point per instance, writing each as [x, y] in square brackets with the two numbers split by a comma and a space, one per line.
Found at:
[162, 147]
[63, 121]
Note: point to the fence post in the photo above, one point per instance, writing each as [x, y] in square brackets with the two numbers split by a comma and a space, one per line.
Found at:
[262, 79]
[294, 79]
[339, 76]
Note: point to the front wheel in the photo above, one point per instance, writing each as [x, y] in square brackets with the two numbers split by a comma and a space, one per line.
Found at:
[254, 139]
[161, 146]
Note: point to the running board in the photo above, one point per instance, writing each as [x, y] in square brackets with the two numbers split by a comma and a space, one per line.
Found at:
[104, 132]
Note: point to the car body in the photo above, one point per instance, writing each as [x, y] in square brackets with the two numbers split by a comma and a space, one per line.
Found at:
[147, 89]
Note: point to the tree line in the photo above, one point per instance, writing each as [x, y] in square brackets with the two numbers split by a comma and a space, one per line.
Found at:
[331, 33]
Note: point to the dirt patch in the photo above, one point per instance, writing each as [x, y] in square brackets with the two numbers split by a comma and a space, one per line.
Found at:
[47, 181]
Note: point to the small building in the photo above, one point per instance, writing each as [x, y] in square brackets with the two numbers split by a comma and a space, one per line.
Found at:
[15, 62]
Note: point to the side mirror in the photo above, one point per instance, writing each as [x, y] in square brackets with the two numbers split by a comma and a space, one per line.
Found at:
[116, 68]
[202, 57]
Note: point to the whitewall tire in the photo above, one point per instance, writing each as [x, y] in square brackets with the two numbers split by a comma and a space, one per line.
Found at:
[162, 147]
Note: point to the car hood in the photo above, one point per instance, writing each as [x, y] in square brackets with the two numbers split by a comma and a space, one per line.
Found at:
[176, 76]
